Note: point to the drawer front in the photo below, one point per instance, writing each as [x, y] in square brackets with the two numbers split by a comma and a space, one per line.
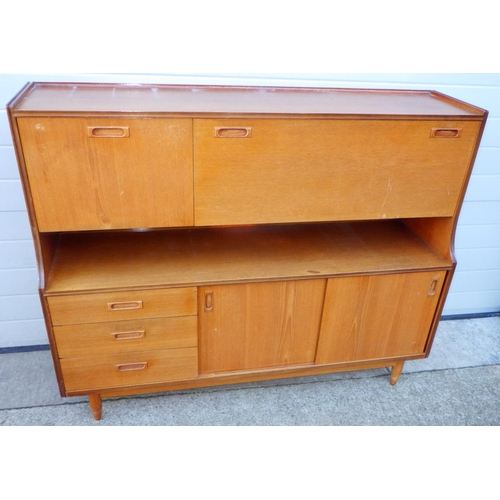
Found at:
[118, 306]
[109, 173]
[137, 368]
[266, 171]
[74, 341]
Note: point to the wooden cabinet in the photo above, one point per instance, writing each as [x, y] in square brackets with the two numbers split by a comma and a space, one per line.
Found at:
[196, 236]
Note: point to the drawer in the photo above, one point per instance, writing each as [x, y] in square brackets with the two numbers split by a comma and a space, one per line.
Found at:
[115, 337]
[129, 369]
[118, 306]
[109, 173]
[299, 170]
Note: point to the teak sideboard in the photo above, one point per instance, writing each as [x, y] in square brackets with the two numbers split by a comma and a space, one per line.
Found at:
[191, 236]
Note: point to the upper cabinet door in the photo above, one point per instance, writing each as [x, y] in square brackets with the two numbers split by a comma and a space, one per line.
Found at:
[252, 171]
[109, 173]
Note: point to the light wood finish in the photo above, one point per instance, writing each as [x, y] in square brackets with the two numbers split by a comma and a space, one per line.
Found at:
[362, 187]
[196, 100]
[396, 372]
[93, 307]
[95, 402]
[144, 180]
[126, 336]
[98, 372]
[372, 317]
[243, 376]
[228, 255]
[260, 325]
[437, 232]
[356, 169]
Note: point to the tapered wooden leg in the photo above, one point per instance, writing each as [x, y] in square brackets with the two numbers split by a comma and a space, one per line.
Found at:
[95, 401]
[396, 371]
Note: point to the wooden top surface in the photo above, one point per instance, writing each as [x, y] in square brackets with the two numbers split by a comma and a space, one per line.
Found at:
[186, 257]
[216, 100]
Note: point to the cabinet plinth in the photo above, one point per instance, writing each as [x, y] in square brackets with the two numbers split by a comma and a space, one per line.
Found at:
[190, 236]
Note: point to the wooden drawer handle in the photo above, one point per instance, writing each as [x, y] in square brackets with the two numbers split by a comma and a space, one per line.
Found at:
[111, 132]
[138, 334]
[129, 367]
[125, 306]
[233, 132]
[448, 133]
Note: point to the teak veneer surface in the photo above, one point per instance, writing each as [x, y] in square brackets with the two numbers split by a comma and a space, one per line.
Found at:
[122, 183]
[258, 325]
[143, 180]
[75, 341]
[97, 372]
[327, 170]
[119, 260]
[139, 304]
[198, 100]
[353, 328]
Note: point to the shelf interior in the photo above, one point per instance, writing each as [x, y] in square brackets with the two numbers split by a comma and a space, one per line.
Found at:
[96, 261]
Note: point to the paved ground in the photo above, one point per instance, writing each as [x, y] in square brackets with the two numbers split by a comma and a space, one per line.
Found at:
[458, 385]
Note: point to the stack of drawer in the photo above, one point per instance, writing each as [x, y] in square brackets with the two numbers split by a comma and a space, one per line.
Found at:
[120, 339]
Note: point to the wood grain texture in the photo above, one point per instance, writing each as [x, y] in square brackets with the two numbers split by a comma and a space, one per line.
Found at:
[227, 255]
[93, 308]
[79, 182]
[260, 325]
[438, 232]
[396, 372]
[95, 402]
[390, 166]
[370, 317]
[313, 170]
[206, 99]
[97, 372]
[239, 377]
[112, 337]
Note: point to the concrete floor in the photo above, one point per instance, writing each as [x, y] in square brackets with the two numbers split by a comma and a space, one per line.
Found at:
[458, 385]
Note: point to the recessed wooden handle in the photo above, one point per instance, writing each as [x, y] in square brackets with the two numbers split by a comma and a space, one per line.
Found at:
[209, 301]
[128, 367]
[111, 132]
[449, 133]
[432, 288]
[138, 334]
[233, 132]
[125, 306]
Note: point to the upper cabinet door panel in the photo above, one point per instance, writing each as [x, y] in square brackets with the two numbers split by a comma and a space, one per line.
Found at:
[109, 173]
[265, 171]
